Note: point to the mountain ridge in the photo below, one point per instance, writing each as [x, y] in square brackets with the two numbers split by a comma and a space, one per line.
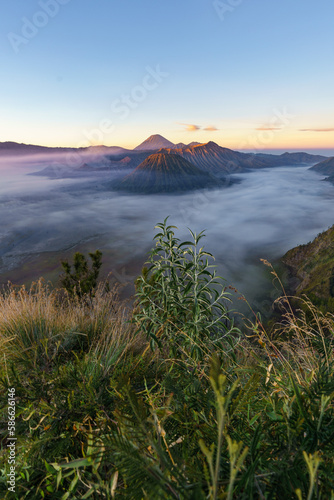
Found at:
[157, 142]
[17, 148]
[209, 157]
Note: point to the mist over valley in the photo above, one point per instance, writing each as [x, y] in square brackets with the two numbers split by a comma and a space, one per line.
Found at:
[249, 214]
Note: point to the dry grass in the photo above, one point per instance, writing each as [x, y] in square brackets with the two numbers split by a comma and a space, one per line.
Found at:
[275, 382]
[38, 324]
[299, 343]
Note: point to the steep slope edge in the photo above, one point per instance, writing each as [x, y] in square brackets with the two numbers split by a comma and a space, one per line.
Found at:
[313, 265]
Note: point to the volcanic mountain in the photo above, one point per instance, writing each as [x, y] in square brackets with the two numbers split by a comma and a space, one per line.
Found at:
[214, 159]
[218, 160]
[153, 143]
[166, 173]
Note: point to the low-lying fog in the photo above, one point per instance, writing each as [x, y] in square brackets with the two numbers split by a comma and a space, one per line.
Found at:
[264, 215]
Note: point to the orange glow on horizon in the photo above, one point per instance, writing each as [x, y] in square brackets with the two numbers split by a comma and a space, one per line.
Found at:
[233, 138]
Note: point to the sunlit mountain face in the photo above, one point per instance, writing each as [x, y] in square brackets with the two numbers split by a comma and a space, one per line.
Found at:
[166, 173]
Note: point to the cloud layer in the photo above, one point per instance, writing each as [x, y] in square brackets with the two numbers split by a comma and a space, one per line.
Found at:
[316, 129]
[269, 212]
[268, 128]
[191, 127]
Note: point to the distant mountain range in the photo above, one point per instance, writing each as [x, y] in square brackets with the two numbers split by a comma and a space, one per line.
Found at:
[15, 148]
[208, 158]
[221, 161]
[165, 173]
[154, 143]
[295, 158]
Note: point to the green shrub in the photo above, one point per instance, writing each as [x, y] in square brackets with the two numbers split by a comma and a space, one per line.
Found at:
[109, 418]
[181, 302]
[82, 280]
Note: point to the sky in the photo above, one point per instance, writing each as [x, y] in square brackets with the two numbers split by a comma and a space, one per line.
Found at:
[247, 74]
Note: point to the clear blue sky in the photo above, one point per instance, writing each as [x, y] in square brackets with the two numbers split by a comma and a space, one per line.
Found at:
[259, 65]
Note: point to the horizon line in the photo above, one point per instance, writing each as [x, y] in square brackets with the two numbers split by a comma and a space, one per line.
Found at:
[265, 149]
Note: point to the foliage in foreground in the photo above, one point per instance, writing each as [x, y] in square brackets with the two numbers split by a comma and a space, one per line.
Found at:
[100, 415]
[182, 303]
[82, 280]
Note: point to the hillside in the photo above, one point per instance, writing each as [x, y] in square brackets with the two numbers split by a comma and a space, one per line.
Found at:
[325, 167]
[313, 265]
[165, 173]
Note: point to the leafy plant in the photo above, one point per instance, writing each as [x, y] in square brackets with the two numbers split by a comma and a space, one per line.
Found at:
[237, 453]
[100, 415]
[181, 301]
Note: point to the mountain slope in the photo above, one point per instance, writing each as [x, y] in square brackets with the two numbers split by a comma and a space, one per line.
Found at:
[217, 160]
[153, 143]
[313, 265]
[165, 173]
[325, 167]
